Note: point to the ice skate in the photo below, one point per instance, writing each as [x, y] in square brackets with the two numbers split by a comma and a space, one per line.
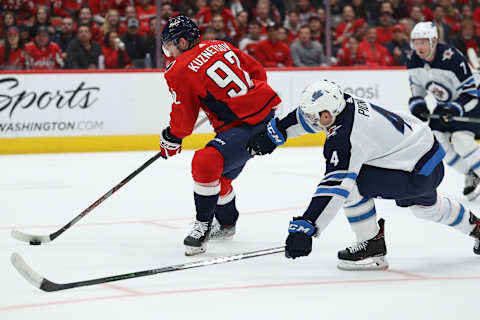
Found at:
[365, 255]
[472, 186]
[475, 233]
[222, 232]
[196, 241]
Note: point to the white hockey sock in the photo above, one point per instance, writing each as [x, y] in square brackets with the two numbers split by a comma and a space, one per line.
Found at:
[466, 146]
[446, 211]
[452, 158]
[361, 215]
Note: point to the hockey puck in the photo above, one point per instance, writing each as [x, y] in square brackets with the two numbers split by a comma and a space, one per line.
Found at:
[35, 243]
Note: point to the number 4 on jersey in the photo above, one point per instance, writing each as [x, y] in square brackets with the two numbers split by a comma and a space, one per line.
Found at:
[334, 159]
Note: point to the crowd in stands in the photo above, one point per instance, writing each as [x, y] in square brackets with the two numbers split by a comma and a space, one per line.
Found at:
[117, 34]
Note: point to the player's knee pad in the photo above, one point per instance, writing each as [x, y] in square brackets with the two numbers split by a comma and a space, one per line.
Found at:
[361, 215]
[464, 142]
[432, 213]
[207, 165]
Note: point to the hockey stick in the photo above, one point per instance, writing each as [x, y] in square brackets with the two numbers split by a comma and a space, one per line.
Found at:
[46, 285]
[37, 239]
[473, 58]
[455, 118]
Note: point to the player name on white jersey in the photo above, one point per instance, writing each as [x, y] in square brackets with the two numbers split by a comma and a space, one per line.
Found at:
[206, 54]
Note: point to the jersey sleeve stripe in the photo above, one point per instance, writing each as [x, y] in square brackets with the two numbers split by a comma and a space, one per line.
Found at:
[362, 217]
[457, 106]
[454, 160]
[332, 191]
[341, 175]
[466, 82]
[304, 124]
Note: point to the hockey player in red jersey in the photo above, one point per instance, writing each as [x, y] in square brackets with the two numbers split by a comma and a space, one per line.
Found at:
[231, 88]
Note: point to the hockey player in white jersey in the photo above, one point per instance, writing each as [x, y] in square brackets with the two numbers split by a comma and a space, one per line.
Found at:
[370, 152]
[445, 73]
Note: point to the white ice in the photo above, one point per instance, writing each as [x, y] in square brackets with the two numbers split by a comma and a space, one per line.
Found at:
[433, 272]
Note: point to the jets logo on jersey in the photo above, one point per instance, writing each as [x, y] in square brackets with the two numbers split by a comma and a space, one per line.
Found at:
[316, 95]
[447, 54]
[333, 131]
[439, 91]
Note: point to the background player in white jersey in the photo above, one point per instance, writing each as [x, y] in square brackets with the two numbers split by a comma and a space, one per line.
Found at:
[445, 73]
[370, 152]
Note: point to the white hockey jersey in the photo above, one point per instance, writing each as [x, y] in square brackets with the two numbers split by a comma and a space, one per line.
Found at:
[448, 77]
[364, 133]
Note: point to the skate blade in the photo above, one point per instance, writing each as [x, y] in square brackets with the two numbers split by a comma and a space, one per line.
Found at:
[474, 194]
[375, 263]
[192, 251]
[215, 238]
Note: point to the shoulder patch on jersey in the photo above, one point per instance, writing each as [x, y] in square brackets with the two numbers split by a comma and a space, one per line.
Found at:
[333, 131]
[447, 54]
[170, 65]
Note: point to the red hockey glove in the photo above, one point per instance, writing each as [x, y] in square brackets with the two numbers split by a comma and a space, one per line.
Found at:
[169, 144]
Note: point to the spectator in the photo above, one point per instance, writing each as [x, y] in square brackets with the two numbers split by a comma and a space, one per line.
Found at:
[199, 6]
[384, 30]
[426, 11]
[292, 24]
[66, 35]
[399, 47]
[400, 9]
[249, 44]
[13, 55]
[83, 53]
[416, 14]
[217, 7]
[467, 14]
[242, 26]
[273, 53]
[345, 29]
[236, 7]
[100, 8]
[283, 35]
[43, 53]
[166, 12]
[408, 24]
[112, 23]
[373, 53]
[24, 33]
[453, 18]
[316, 28]
[135, 44]
[444, 30]
[85, 17]
[9, 20]
[116, 57]
[305, 52]
[41, 19]
[360, 9]
[305, 11]
[263, 16]
[145, 11]
[68, 8]
[151, 43]
[218, 26]
[348, 55]
[209, 34]
[23, 8]
[467, 38]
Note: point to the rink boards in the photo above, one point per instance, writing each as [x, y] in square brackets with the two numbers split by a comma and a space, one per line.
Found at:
[125, 110]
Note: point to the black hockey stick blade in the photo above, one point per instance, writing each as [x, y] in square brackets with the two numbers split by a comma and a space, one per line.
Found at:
[38, 239]
[454, 118]
[46, 285]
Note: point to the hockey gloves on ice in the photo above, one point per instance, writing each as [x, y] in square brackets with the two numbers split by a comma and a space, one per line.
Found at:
[299, 240]
[266, 141]
[169, 144]
[446, 112]
[419, 109]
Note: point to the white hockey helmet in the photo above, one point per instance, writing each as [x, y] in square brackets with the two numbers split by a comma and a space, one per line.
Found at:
[323, 95]
[424, 30]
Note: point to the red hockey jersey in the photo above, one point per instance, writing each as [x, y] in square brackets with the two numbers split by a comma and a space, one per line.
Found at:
[227, 84]
[46, 58]
[18, 59]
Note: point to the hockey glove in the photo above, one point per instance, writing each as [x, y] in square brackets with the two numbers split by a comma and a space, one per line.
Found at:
[419, 109]
[169, 144]
[266, 141]
[299, 240]
[446, 113]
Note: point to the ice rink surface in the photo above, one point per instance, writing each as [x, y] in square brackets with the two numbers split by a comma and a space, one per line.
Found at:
[433, 272]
